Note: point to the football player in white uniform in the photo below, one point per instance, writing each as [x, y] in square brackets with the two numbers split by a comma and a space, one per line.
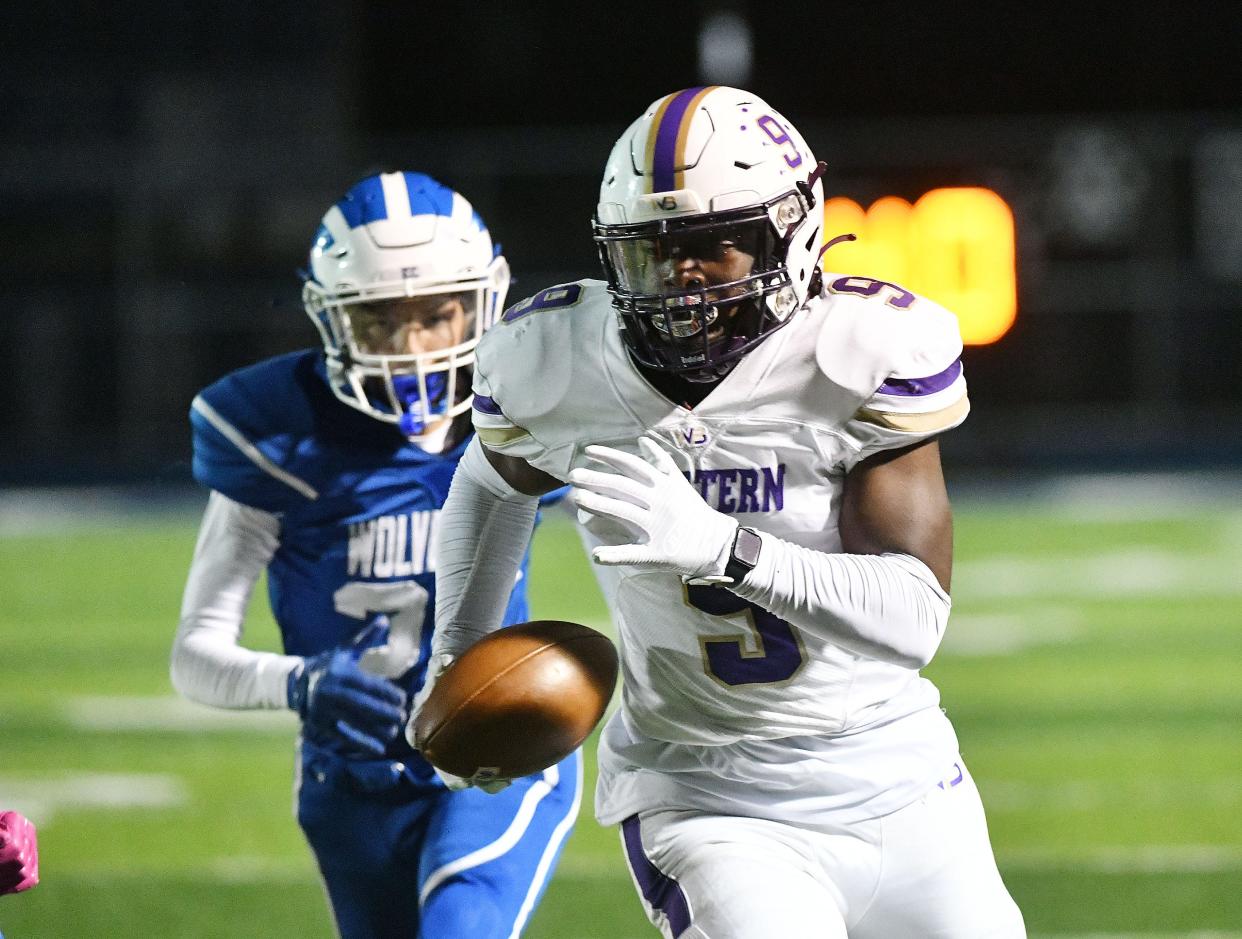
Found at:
[753, 448]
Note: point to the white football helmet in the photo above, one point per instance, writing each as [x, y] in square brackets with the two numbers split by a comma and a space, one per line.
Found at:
[705, 170]
[392, 237]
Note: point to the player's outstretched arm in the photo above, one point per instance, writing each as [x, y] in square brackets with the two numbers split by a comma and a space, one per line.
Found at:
[896, 502]
[208, 663]
[887, 595]
[884, 601]
[485, 527]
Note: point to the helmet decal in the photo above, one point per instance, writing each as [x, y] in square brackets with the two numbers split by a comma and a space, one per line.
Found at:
[394, 196]
[666, 140]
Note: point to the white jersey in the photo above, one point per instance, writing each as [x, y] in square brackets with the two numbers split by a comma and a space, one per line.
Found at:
[715, 689]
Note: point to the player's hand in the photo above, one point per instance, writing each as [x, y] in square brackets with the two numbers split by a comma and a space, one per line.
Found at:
[674, 529]
[337, 700]
[19, 853]
[489, 784]
[438, 665]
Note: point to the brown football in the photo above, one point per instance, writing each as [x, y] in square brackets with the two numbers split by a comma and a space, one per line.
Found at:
[518, 701]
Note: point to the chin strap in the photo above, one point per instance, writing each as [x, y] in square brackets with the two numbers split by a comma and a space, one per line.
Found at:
[808, 192]
[808, 188]
[832, 242]
[815, 287]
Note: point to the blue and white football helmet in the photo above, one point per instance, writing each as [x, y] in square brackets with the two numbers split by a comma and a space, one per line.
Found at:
[708, 173]
[396, 236]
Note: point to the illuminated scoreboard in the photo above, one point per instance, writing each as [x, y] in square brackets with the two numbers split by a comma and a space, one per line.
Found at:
[954, 246]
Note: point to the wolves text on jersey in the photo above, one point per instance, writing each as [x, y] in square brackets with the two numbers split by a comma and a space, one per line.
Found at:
[393, 545]
[742, 489]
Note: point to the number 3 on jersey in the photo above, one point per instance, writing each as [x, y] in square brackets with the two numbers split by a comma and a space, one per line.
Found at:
[405, 604]
[778, 653]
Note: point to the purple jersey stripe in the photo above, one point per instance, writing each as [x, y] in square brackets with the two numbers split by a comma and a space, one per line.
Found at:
[664, 159]
[660, 890]
[955, 780]
[922, 386]
[487, 405]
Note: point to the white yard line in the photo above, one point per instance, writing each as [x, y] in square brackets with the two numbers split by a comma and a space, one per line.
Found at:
[1001, 633]
[51, 511]
[1138, 571]
[1193, 934]
[1089, 794]
[1106, 497]
[249, 869]
[1128, 859]
[169, 713]
[41, 797]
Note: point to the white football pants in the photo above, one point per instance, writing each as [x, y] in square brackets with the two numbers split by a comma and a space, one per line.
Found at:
[925, 871]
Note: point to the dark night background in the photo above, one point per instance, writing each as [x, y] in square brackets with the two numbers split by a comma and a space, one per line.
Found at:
[164, 167]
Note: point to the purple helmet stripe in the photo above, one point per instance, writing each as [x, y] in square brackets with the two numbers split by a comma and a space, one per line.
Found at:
[660, 890]
[664, 157]
[910, 387]
[486, 405]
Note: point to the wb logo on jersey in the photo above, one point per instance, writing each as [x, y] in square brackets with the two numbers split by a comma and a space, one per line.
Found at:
[691, 435]
[393, 545]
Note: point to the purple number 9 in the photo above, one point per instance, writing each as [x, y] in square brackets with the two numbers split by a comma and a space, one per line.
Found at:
[899, 297]
[550, 298]
[779, 656]
[778, 135]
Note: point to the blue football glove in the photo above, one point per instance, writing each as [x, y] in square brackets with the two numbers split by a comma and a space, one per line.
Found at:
[341, 704]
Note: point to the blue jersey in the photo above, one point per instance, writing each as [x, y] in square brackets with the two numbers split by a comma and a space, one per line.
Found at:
[359, 507]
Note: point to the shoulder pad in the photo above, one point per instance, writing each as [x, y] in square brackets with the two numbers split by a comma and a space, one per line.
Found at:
[556, 297]
[874, 331]
[246, 428]
[528, 358]
[526, 365]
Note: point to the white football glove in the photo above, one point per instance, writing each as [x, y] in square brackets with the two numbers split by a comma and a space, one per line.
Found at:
[674, 529]
[435, 668]
[489, 784]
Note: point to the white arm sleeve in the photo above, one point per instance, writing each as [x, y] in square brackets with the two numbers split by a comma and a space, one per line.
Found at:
[885, 606]
[208, 665]
[485, 526]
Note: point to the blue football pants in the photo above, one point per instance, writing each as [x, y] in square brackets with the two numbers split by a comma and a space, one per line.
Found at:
[408, 860]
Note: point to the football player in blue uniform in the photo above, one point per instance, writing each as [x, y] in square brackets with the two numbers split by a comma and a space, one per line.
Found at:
[328, 468]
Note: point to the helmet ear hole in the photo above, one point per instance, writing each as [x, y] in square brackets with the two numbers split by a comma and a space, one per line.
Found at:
[815, 286]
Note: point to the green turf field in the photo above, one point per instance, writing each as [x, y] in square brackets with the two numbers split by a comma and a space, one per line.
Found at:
[1093, 670]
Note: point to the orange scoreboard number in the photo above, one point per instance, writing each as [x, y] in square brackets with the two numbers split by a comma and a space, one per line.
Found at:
[954, 246]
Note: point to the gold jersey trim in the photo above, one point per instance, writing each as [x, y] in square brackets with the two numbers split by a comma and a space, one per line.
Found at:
[917, 423]
[500, 436]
